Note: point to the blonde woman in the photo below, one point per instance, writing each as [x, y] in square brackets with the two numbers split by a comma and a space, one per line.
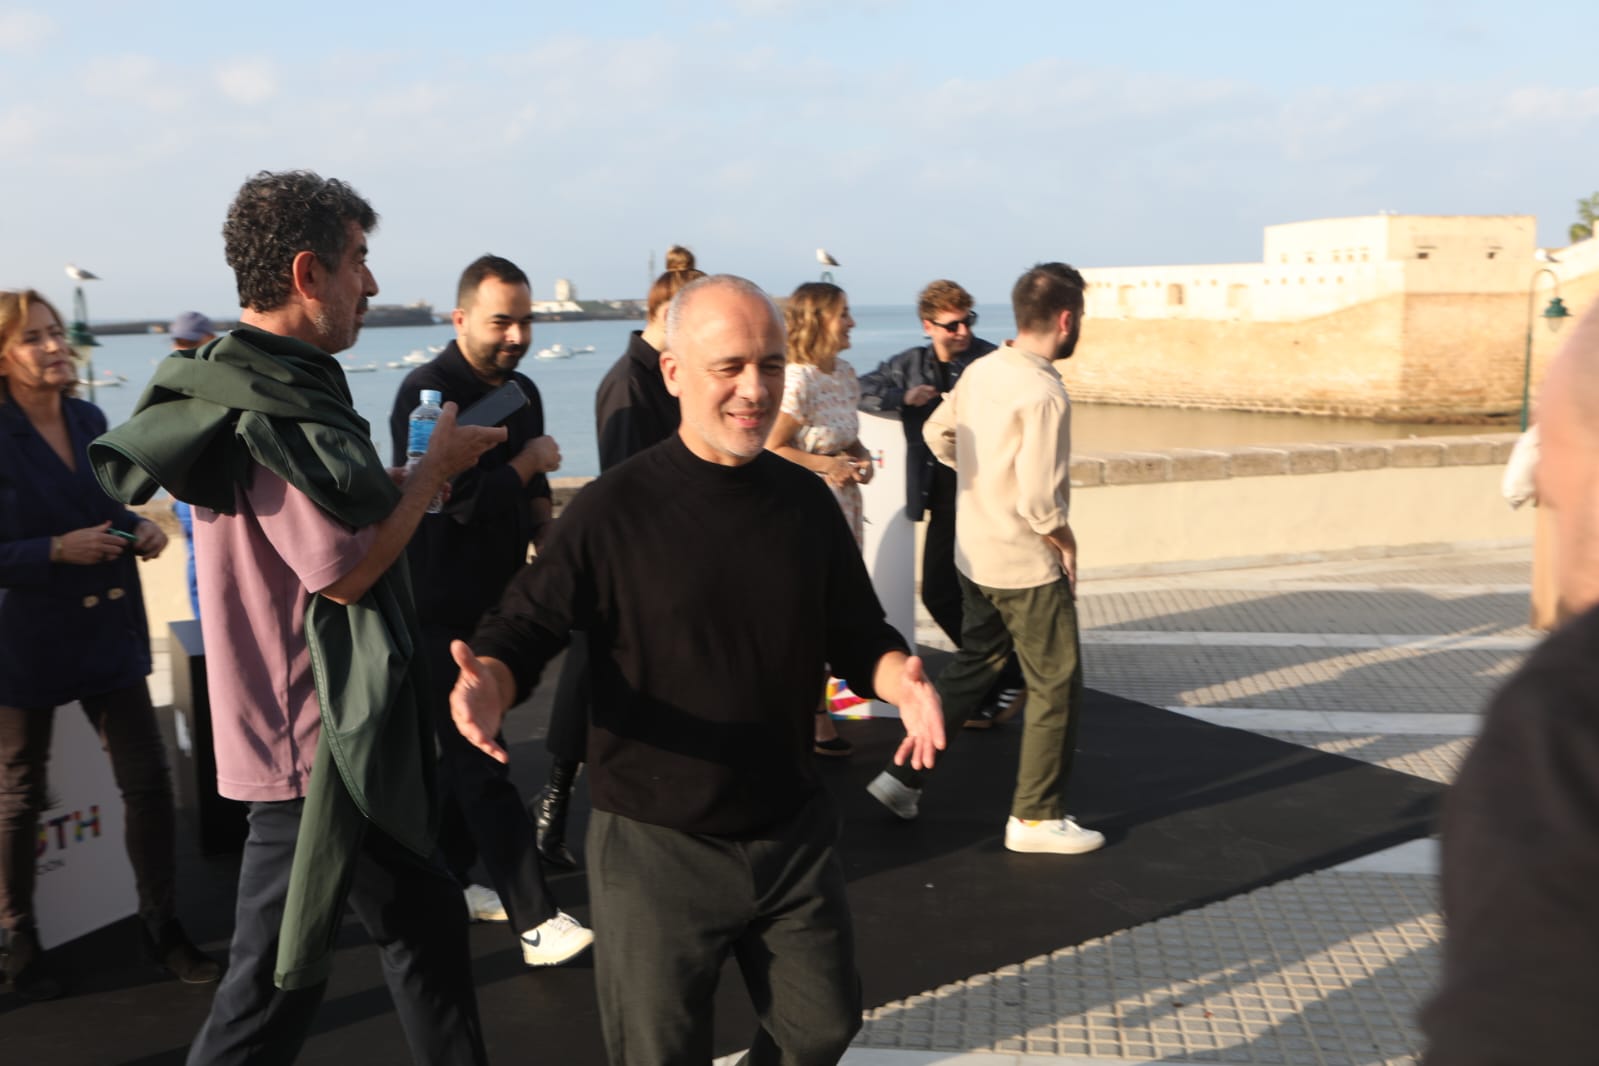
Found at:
[72, 629]
[818, 427]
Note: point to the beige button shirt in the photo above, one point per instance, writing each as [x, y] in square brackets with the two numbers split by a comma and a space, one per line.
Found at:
[1006, 429]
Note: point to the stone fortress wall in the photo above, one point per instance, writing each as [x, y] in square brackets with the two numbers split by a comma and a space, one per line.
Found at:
[1411, 317]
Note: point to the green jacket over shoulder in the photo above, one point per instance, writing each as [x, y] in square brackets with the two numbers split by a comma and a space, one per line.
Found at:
[255, 397]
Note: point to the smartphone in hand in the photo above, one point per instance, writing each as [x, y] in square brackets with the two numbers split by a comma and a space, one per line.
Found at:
[494, 408]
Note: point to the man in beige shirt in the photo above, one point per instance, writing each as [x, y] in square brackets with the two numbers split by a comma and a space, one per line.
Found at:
[1006, 429]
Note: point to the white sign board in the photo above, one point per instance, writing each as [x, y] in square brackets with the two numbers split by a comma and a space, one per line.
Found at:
[890, 541]
[85, 881]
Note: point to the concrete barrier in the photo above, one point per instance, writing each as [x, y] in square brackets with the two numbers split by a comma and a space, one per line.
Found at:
[1192, 509]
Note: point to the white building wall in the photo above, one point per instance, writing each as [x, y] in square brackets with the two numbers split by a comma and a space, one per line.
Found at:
[1323, 266]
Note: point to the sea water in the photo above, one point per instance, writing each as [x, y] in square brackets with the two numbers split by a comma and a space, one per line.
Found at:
[567, 386]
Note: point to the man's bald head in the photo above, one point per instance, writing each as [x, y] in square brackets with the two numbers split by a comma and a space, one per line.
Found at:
[1568, 462]
[724, 362]
[678, 314]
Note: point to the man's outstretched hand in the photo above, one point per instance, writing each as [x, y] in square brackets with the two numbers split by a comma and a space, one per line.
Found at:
[921, 712]
[476, 703]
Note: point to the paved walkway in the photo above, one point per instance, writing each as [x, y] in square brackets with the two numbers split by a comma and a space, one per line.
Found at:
[1390, 661]
[1387, 660]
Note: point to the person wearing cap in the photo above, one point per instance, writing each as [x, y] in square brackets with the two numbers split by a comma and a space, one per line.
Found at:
[190, 330]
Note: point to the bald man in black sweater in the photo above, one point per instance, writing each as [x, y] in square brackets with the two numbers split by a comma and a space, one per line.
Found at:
[714, 580]
[1521, 825]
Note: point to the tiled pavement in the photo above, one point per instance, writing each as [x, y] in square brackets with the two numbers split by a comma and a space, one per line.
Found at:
[1325, 969]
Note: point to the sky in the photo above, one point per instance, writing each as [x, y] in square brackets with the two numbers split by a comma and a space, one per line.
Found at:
[913, 139]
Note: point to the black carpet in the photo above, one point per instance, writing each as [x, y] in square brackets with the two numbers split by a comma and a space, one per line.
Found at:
[1194, 813]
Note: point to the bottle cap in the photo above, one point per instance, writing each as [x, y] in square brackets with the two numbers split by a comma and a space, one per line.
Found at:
[432, 396]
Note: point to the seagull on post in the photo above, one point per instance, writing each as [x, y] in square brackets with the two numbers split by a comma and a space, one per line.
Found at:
[77, 273]
[826, 259]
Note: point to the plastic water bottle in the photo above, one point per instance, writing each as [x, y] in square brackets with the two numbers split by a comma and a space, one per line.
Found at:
[416, 442]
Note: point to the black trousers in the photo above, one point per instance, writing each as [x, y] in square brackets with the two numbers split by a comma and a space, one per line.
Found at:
[410, 908]
[941, 581]
[670, 906]
[126, 725]
[482, 815]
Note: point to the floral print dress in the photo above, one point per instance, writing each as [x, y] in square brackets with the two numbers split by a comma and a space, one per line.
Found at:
[825, 406]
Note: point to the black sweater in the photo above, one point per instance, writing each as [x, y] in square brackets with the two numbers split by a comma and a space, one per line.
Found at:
[462, 559]
[713, 597]
[632, 409]
[1521, 870]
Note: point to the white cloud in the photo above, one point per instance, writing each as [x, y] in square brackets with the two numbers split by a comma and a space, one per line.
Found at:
[21, 29]
[578, 155]
[248, 82]
[21, 126]
[141, 80]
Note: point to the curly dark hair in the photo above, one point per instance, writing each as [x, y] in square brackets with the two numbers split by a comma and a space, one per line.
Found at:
[278, 215]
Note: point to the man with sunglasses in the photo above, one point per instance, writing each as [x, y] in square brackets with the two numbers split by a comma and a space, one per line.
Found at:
[913, 384]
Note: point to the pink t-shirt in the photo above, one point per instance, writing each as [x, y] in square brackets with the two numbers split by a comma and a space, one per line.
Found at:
[256, 571]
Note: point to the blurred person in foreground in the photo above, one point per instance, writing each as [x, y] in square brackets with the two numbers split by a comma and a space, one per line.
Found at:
[72, 628]
[911, 385]
[461, 560]
[317, 700]
[714, 580]
[632, 411]
[1006, 429]
[819, 428]
[1521, 824]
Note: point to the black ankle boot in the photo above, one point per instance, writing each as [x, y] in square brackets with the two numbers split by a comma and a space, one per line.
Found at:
[549, 815]
[25, 967]
[173, 951]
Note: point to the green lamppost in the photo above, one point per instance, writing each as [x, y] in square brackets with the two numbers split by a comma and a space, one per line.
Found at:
[1555, 315]
[78, 335]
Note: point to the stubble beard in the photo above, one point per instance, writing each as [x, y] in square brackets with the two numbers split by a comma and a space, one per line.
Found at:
[490, 361]
[336, 337]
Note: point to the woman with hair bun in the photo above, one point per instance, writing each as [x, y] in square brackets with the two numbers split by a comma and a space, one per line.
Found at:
[632, 411]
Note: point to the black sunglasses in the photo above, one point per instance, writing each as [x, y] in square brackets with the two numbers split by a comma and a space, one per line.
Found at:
[970, 322]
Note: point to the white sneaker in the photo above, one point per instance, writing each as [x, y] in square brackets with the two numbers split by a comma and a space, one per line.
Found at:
[559, 939]
[894, 794]
[483, 905]
[1056, 836]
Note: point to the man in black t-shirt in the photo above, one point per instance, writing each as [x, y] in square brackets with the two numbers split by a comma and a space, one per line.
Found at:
[714, 580]
[461, 560]
[1521, 825]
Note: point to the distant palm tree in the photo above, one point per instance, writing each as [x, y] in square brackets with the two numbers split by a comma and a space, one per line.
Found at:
[1587, 216]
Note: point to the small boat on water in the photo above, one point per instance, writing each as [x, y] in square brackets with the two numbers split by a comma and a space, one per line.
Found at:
[555, 351]
[365, 368]
[584, 349]
[416, 358]
[108, 380]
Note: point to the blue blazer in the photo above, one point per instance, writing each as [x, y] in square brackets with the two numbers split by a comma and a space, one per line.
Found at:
[65, 631]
